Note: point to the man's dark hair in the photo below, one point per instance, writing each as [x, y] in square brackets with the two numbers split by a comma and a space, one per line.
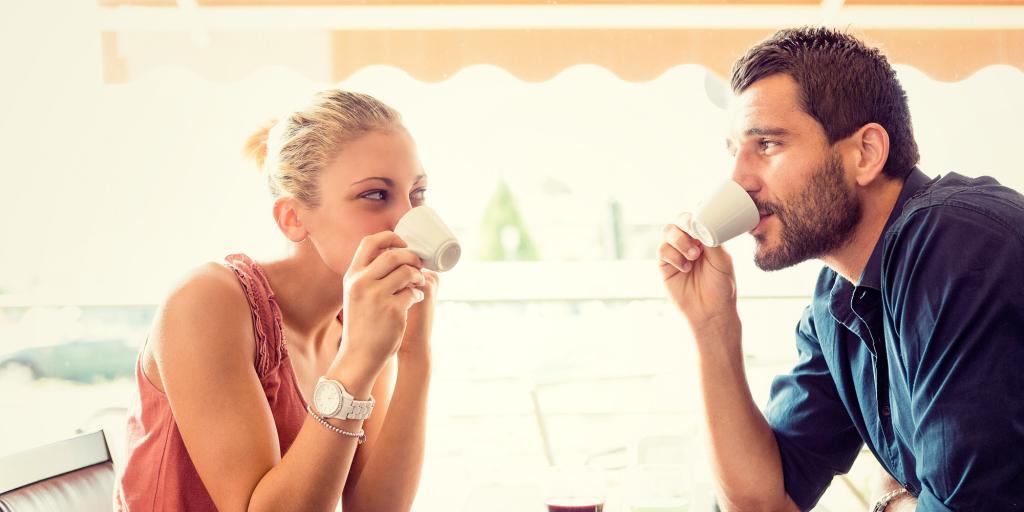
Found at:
[844, 85]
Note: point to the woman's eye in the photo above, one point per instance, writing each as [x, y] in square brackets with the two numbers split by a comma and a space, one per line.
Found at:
[419, 194]
[375, 195]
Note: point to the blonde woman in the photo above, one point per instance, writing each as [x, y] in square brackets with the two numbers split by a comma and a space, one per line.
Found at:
[298, 383]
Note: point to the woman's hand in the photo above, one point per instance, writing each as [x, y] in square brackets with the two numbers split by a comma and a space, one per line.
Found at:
[383, 282]
[421, 320]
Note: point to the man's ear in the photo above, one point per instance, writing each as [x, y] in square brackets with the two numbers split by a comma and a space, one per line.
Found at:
[868, 149]
[286, 214]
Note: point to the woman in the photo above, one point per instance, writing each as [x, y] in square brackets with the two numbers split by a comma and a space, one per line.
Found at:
[239, 349]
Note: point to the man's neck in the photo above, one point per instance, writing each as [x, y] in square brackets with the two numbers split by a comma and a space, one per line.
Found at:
[877, 201]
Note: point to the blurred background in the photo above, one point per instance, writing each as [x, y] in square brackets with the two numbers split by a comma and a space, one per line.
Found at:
[559, 138]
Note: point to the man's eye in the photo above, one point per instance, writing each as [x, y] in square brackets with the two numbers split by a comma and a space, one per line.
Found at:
[768, 144]
[375, 195]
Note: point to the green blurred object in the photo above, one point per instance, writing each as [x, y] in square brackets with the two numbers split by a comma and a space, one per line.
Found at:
[615, 232]
[503, 234]
[83, 361]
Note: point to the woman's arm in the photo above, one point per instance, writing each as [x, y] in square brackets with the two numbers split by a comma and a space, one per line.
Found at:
[387, 473]
[204, 351]
[390, 476]
[382, 391]
[203, 346]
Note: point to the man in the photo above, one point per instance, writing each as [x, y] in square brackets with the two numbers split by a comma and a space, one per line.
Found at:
[914, 340]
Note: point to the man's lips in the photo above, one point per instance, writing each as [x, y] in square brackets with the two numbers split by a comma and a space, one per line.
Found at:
[763, 217]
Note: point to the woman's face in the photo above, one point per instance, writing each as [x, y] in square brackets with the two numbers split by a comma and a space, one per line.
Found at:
[372, 182]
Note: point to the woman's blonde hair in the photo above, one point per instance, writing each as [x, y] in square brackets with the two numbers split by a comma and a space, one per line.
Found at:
[294, 150]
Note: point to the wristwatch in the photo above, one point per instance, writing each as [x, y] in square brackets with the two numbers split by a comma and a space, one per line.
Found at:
[884, 501]
[332, 401]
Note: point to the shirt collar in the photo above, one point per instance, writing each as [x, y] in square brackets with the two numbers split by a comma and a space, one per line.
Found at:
[872, 275]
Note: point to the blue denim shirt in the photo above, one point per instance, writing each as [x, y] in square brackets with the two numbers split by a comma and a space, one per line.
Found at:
[922, 359]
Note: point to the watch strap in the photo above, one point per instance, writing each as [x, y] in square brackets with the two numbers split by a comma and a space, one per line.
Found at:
[884, 501]
[351, 409]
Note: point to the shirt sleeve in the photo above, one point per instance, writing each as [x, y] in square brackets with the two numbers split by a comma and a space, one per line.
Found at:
[956, 289]
[816, 438]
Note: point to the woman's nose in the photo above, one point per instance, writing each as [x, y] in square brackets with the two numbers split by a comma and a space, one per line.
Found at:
[401, 208]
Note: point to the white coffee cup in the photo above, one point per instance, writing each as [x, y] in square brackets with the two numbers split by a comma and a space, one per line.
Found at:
[725, 214]
[429, 237]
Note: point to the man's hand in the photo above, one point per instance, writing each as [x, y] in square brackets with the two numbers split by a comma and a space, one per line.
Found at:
[700, 280]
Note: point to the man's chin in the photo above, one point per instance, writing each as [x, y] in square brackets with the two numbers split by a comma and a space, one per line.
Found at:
[769, 260]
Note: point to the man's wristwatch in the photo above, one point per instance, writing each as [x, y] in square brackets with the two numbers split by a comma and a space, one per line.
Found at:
[332, 401]
[884, 501]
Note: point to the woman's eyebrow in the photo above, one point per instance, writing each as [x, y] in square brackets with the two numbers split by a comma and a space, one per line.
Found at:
[387, 181]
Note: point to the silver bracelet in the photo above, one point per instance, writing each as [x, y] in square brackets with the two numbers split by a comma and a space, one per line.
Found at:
[360, 436]
[884, 501]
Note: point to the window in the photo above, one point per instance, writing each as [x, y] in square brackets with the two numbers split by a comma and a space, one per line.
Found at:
[555, 151]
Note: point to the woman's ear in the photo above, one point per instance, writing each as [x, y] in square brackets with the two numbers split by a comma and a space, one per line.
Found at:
[869, 148]
[286, 214]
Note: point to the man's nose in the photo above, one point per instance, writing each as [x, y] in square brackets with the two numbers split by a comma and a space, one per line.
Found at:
[745, 173]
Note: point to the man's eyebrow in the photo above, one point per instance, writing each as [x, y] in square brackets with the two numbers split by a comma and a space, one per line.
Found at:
[769, 132]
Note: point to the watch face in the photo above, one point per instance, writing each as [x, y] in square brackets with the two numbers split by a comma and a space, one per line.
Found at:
[327, 398]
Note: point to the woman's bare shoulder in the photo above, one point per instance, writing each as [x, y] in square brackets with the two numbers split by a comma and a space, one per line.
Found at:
[206, 313]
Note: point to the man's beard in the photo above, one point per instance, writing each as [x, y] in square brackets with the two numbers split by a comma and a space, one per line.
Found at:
[817, 221]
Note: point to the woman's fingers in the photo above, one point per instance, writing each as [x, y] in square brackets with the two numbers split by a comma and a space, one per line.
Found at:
[404, 276]
[372, 246]
[389, 260]
[409, 297]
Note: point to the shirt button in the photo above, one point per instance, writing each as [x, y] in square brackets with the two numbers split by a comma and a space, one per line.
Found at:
[885, 410]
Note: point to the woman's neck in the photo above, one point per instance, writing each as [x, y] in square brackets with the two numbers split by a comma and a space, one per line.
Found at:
[309, 293]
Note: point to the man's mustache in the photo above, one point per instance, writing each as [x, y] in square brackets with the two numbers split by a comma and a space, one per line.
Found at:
[768, 208]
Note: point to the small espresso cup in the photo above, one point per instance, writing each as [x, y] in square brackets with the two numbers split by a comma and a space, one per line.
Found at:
[725, 214]
[428, 236]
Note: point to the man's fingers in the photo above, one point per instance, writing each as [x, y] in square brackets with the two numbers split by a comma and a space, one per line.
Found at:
[668, 271]
[687, 246]
[670, 256]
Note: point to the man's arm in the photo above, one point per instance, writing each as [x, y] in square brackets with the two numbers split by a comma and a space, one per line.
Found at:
[816, 437]
[744, 453]
[960, 322]
[887, 484]
[757, 466]
[745, 458]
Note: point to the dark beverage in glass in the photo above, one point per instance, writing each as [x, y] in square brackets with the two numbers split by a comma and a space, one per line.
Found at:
[577, 507]
[575, 489]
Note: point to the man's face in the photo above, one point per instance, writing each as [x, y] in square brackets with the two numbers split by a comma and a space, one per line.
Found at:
[783, 159]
